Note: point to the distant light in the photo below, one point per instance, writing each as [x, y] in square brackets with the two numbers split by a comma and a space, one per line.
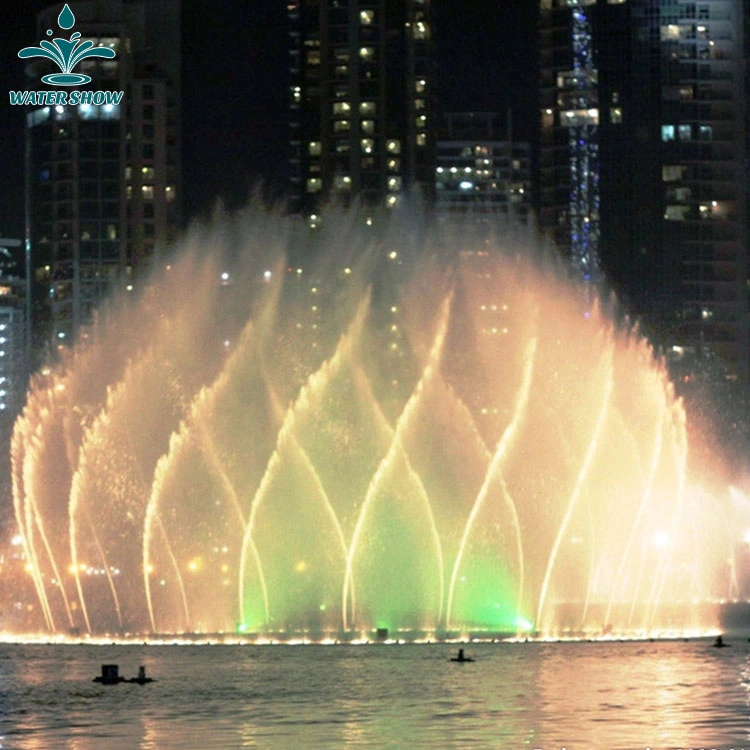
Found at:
[661, 539]
[227, 344]
[523, 624]
[59, 109]
[129, 287]
[393, 255]
[61, 335]
[466, 185]
[225, 276]
[17, 540]
[267, 275]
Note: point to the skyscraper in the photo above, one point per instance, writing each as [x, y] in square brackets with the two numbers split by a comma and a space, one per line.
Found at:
[659, 102]
[361, 97]
[103, 183]
[481, 172]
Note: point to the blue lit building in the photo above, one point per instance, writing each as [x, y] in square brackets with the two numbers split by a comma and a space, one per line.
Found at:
[642, 164]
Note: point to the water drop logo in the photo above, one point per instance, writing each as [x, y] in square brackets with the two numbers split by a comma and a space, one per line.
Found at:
[66, 53]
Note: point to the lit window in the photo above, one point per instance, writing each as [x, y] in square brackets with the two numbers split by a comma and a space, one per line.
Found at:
[706, 133]
[148, 192]
[368, 127]
[420, 85]
[420, 104]
[341, 126]
[667, 133]
[394, 147]
[342, 108]
[422, 121]
[368, 145]
[685, 132]
[169, 193]
[313, 57]
[615, 115]
[676, 213]
[394, 165]
[315, 148]
[147, 173]
[314, 185]
[367, 108]
[670, 32]
[367, 53]
[366, 17]
[421, 139]
[575, 117]
[672, 172]
[394, 183]
[343, 183]
[421, 30]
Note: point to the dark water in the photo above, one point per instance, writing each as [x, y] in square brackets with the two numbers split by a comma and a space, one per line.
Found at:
[550, 696]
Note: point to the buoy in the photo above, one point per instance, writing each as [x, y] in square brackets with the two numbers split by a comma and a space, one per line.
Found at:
[110, 675]
[141, 679]
[461, 657]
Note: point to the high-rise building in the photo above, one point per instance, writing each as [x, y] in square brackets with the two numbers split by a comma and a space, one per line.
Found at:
[103, 183]
[481, 172]
[361, 97]
[643, 160]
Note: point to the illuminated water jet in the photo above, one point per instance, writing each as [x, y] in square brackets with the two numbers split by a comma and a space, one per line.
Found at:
[308, 433]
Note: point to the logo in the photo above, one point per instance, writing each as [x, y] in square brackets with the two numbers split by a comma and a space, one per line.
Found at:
[67, 53]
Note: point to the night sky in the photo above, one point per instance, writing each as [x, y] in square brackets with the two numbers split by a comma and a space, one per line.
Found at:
[235, 89]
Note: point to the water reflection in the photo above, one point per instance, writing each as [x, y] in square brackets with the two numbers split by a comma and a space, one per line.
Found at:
[582, 696]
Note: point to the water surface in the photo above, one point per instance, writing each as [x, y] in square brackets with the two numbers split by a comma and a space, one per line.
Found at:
[580, 696]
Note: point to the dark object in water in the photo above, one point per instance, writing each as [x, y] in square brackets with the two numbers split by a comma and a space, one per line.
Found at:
[110, 675]
[719, 643]
[141, 679]
[461, 656]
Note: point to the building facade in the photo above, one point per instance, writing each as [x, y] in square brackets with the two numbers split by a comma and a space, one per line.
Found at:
[481, 172]
[103, 183]
[362, 101]
[655, 93]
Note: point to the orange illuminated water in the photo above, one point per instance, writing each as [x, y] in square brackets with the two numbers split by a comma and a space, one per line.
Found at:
[327, 433]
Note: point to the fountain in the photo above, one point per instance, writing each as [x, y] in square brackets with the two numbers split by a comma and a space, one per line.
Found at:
[335, 432]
